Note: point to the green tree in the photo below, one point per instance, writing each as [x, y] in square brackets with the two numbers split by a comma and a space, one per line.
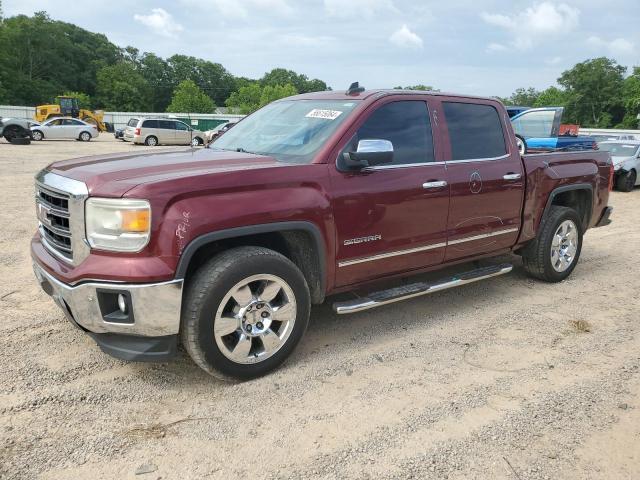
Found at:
[271, 93]
[211, 77]
[189, 98]
[525, 97]
[594, 92]
[121, 88]
[302, 84]
[84, 100]
[424, 88]
[551, 97]
[40, 58]
[246, 100]
[631, 99]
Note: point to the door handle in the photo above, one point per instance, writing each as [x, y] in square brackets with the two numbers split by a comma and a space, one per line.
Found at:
[512, 176]
[434, 184]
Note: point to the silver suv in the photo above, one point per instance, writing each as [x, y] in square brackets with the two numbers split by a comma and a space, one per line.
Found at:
[162, 131]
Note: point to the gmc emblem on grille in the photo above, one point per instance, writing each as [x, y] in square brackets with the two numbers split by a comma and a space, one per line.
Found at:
[43, 213]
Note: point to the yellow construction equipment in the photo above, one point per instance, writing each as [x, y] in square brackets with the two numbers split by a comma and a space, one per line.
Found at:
[68, 107]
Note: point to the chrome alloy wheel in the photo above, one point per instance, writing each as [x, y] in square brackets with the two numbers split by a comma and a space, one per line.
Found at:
[564, 246]
[255, 318]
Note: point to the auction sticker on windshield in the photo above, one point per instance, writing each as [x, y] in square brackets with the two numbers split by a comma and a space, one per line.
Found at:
[325, 114]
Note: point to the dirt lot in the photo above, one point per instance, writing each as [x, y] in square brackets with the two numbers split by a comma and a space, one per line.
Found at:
[504, 379]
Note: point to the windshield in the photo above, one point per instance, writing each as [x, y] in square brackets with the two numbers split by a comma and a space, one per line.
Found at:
[132, 122]
[290, 130]
[619, 149]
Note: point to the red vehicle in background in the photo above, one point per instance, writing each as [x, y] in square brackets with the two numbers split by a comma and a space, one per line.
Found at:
[228, 247]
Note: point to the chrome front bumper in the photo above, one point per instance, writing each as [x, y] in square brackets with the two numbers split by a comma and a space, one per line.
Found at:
[155, 306]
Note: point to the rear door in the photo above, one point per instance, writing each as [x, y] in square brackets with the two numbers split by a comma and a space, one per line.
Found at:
[487, 181]
[391, 218]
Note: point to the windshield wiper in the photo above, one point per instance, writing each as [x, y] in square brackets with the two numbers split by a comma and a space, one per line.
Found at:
[242, 150]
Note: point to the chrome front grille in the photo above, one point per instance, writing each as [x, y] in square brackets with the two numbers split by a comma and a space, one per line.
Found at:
[60, 211]
[53, 215]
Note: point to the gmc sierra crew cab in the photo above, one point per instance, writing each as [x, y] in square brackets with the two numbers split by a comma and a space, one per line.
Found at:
[226, 248]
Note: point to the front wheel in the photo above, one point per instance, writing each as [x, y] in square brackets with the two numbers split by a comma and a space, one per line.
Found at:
[37, 135]
[245, 311]
[555, 252]
[627, 182]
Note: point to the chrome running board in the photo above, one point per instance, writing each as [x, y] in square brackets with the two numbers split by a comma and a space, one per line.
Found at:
[397, 294]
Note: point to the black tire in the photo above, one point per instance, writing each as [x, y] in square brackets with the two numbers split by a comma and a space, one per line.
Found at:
[627, 182]
[536, 257]
[200, 142]
[37, 135]
[84, 137]
[207, 289]
[151, 141]
[522, 145]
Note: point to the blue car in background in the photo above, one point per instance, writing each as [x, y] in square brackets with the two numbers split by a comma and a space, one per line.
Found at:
[537, 130]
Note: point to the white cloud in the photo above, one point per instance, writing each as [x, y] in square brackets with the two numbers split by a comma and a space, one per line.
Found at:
[536, 23]
[496, 47]
[403, 37]
[554, 61]
[618, 46]
[357, 8]
[161, 22]
[242, 9]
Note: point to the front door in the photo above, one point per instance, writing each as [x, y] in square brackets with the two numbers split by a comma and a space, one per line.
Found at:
[487, 181]
[53, 129]
[391, 218]
[183, 134]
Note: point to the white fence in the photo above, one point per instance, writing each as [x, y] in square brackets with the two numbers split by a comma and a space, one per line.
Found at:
[120, 119]
[609, 131]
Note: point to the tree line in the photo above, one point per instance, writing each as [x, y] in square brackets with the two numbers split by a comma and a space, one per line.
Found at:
[42, 58]
[595, 93]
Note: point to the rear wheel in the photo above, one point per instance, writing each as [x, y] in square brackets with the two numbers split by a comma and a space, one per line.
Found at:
[245, 311]
[555, 252]
[151, 141]
[196, 141]
[85, 136]
[627, 182]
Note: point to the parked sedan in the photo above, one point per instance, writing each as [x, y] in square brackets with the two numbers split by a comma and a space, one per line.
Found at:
[64, 128]
[625, 156]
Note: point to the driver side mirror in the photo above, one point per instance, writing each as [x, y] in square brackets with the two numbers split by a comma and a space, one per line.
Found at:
[369, 153]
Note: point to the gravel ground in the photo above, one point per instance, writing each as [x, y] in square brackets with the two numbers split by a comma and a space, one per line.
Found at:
[504, 379]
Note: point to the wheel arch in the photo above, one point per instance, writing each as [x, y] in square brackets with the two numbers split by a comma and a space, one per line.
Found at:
[578, 196]
[299, 241]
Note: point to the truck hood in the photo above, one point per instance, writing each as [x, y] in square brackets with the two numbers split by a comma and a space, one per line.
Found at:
[113, 175]
[618, 160]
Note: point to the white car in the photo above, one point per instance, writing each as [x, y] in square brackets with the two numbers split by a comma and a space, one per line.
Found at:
[64, 128]
[625, 156]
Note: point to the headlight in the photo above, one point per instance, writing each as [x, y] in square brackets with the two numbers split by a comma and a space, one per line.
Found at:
[118, 224]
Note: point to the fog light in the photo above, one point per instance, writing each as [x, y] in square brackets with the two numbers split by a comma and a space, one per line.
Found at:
[122, 303]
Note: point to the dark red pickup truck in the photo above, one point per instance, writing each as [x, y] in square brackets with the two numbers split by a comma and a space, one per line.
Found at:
[228, 246]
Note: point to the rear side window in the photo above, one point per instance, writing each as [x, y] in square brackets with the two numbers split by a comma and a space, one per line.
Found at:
[167, 124]
[475, 131]
[150, 124]
[407, 126]
[181, 126]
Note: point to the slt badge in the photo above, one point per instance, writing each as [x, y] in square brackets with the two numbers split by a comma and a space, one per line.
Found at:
[475, 182]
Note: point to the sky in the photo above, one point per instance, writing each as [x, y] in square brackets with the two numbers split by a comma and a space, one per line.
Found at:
[482, 47]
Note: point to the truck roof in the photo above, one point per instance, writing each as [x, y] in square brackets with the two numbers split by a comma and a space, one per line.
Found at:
[342, 94]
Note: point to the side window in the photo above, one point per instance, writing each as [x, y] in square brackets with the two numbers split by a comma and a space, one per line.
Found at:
[181, 126]
[475, 131]
[150, 124]
[76, 122]
[535, 124]
[55, 123]
[406, 125]
[166, 124]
